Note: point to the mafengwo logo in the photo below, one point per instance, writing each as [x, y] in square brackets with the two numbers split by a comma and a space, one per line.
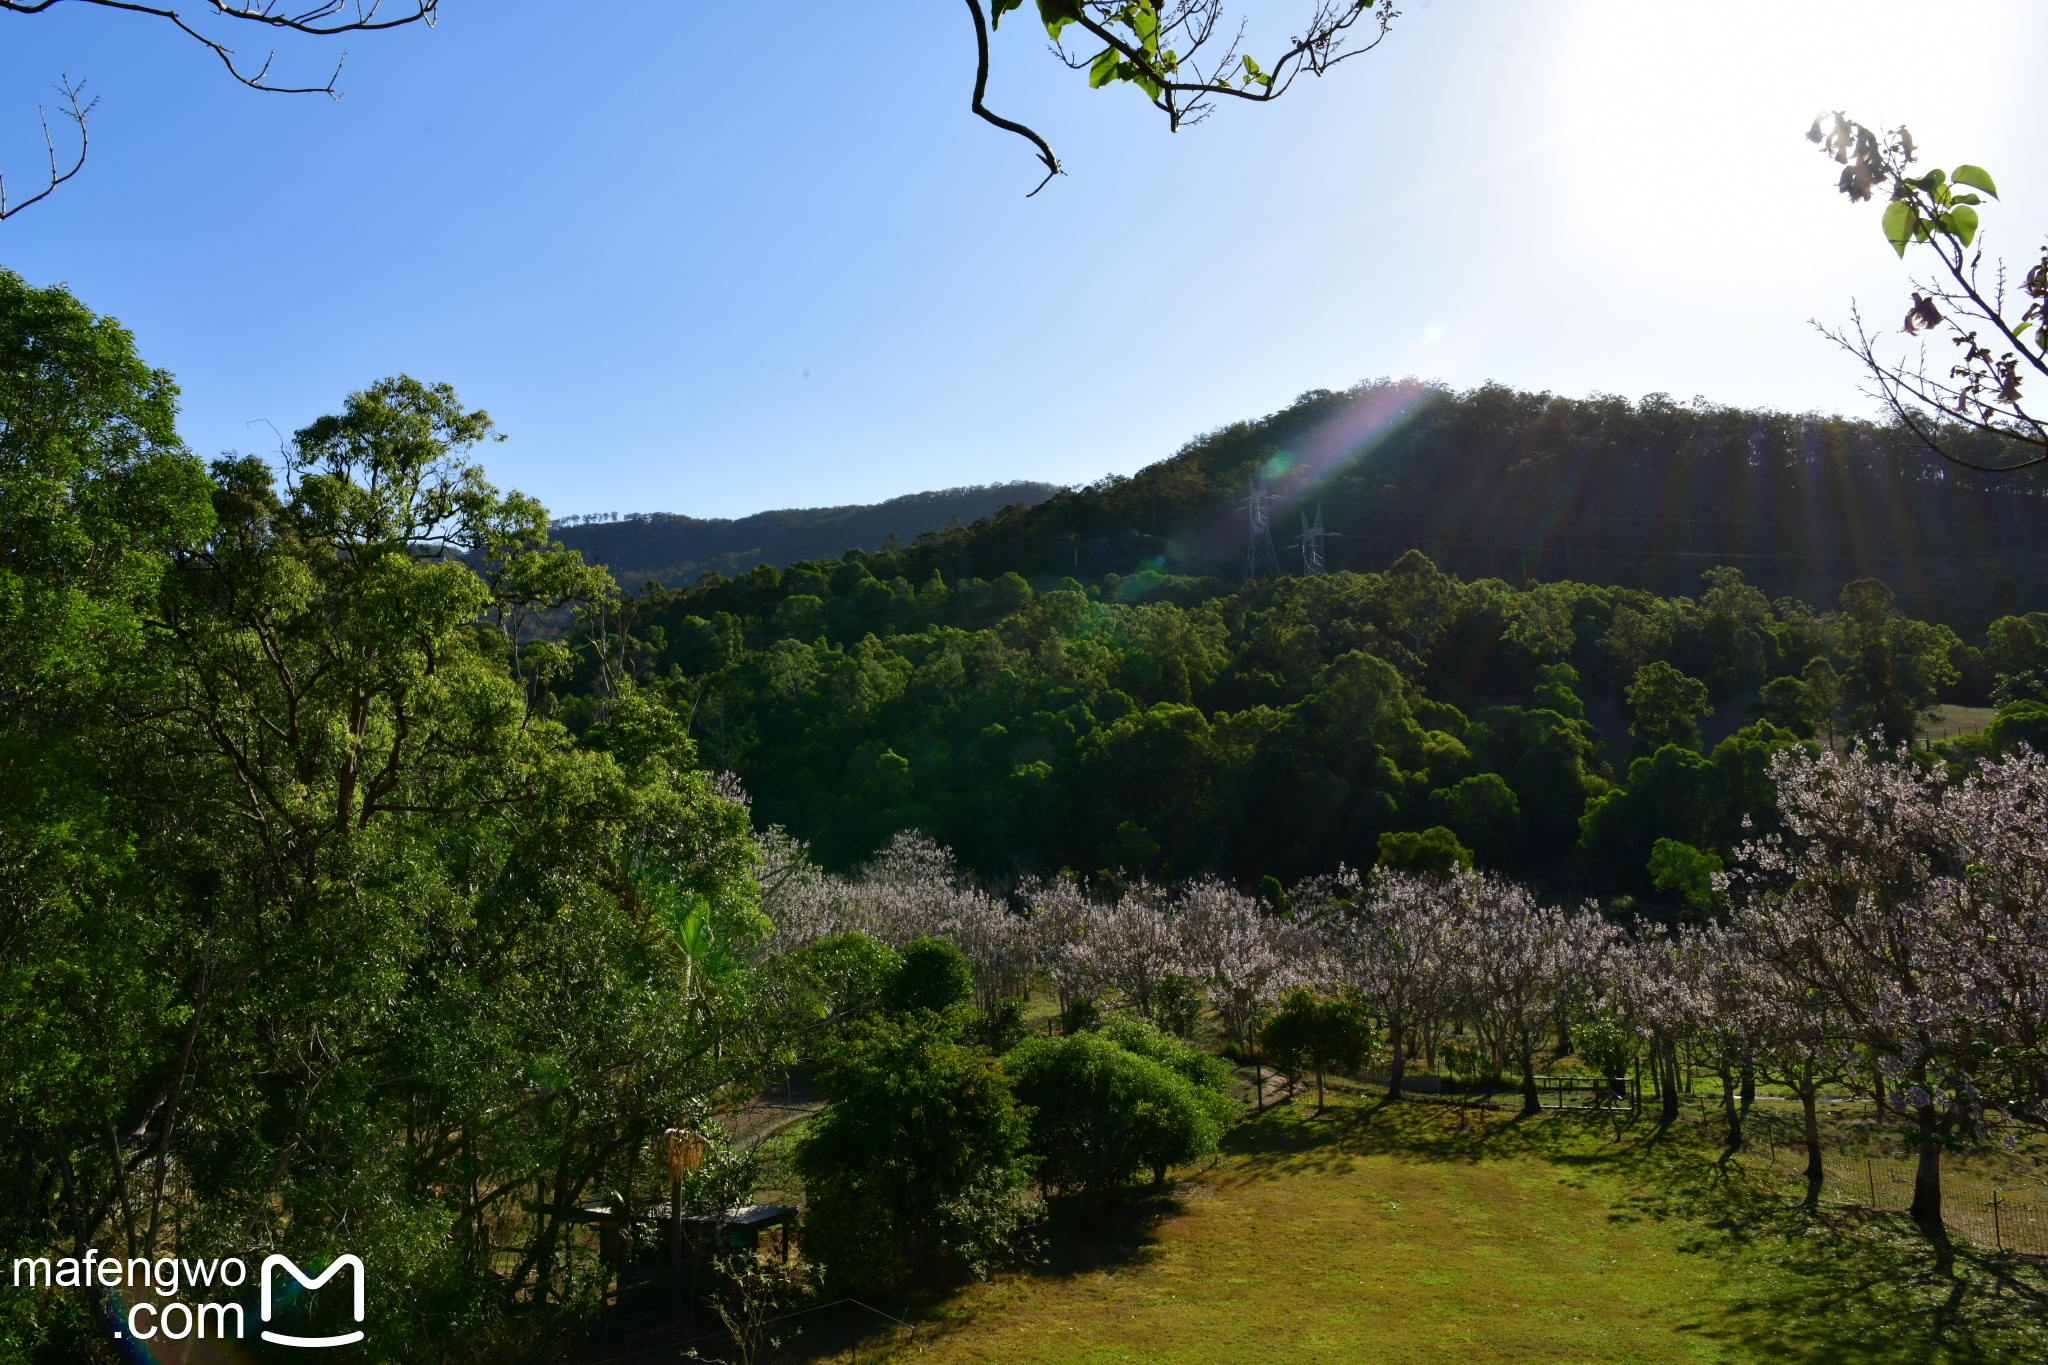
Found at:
[176, 1320]
[271, 1263]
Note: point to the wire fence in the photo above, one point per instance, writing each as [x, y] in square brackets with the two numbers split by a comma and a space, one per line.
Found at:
[2005, 1217]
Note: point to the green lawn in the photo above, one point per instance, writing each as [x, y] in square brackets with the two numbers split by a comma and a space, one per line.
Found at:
[1408, 1233]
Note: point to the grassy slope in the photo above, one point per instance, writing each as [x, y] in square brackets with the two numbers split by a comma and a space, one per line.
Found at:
[1399, 1235]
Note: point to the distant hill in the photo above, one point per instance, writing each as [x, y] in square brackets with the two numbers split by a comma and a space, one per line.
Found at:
[674, 550]
[1495, 482]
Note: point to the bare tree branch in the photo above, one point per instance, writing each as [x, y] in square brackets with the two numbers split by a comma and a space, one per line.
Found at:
[320, 18]
[1045, 153]
[77, 114]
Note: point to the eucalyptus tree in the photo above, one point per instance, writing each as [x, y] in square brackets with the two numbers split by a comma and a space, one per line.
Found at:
[412, 967]
[96, 494]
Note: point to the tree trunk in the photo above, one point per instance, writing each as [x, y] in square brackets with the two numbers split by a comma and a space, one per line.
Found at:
[1397, 1064]
[1667, 1080]
[1532, 1101]
[1815, 1172]
[1730, 1111]
[1926, 1209]
[1319, 1090]
[1748, 1083]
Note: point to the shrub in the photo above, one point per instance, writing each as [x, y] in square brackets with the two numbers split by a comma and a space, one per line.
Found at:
[1003, 1027]
[1209, 1075]
[1082, 1015]
[934, 976]
[1103, 1112]
[917, 1162]
[1177, 1004]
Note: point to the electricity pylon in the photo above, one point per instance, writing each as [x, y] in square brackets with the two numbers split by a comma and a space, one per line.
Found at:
[1260, 561]
[1311, 544]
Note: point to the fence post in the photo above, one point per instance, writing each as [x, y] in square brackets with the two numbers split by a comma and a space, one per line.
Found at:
[1870, 1169]
[1997, 1233]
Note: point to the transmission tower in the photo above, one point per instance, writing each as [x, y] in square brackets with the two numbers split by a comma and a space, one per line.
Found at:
[1260, 561]
[1311, 544]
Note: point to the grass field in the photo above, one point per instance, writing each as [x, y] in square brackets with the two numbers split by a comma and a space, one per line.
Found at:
[1417, 1233]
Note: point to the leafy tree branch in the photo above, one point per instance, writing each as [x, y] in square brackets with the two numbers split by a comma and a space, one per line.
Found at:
[1982, 313]
[1172, 50]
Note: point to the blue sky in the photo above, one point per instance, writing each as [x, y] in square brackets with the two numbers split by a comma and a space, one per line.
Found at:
[696, 261]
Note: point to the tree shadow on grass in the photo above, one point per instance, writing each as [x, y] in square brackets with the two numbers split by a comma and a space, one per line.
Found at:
[1838, 1286]
[1084, 1236]
[1291, 1140]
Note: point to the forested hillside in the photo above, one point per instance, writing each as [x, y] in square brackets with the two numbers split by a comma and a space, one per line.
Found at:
[1502, 483]
[675, 549]
[1162, 726]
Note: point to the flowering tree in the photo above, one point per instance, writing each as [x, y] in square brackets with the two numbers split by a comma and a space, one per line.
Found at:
[1917, 912]
[1519, 960]
[1801, 1038]
[1060, 918]
[1134, 943]
[1230, 943]
[1640, 990]
[1393, 951]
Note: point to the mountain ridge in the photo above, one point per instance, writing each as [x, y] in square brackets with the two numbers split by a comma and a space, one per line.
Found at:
[675, 549]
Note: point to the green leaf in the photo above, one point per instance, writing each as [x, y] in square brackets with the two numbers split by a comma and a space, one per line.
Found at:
[998, 8]
[1145, 23]
[1901, 220]
[1057, 14]
[1977, 178]
[1966, 199]
[1102, 70]
[1962, 221]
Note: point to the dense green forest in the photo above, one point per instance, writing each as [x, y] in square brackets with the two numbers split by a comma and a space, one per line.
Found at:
[1503, 483]
[1159, 726]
